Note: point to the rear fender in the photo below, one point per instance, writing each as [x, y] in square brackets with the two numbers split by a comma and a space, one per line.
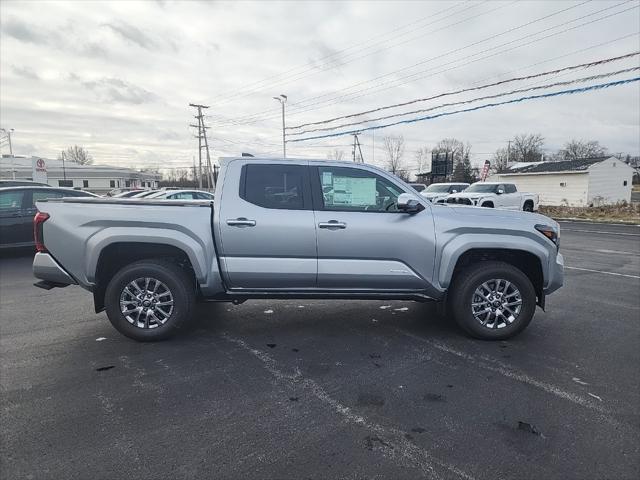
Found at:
[201, 252]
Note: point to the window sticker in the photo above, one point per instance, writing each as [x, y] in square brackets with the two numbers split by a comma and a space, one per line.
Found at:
[354, 191]
[327, 178]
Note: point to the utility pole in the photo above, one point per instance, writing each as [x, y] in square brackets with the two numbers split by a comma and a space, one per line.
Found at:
[283, 99]
[8, 134]
[202, 134]
[356, 143]
[193, 158]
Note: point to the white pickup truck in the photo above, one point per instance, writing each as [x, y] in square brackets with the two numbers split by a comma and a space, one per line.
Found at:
[496, 195]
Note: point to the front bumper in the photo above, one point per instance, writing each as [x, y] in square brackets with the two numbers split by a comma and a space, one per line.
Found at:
[46, 268]
[556, 275]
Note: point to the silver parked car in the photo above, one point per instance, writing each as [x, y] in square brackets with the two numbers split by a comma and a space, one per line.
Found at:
[181, 195]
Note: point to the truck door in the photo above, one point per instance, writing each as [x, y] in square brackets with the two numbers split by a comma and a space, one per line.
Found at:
[364, 242]
[266, 226]
[501, 199]
[512, 197]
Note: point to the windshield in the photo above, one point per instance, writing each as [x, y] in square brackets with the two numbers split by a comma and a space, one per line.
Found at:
[438, 188]
[482, 188]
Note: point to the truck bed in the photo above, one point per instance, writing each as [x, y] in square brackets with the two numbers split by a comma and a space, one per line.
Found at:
[130, 201]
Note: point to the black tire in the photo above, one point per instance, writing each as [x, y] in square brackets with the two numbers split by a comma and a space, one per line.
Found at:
[462, 294]
[487, 204]
[181, 287]
[528, 206]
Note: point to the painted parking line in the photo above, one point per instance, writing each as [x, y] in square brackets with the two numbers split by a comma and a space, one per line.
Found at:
[603, 272]
[599, 232]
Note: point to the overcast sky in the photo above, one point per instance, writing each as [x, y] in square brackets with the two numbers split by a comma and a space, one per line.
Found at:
[117, 77]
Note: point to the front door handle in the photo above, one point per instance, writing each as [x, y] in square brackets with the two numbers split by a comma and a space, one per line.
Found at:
[241, 222]
[332, 224]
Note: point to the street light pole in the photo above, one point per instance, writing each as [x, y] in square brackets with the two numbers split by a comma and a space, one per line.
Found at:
[283, 99]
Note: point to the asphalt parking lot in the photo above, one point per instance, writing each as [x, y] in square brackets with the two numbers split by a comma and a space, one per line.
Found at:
[320, 389]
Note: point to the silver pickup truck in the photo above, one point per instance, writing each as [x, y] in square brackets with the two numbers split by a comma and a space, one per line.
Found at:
[298, 229]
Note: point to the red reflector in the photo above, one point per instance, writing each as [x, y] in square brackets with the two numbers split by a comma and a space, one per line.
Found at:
[38, 236]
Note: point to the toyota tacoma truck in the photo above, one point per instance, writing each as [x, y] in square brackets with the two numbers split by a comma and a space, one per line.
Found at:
[496, 195]
[303, 229]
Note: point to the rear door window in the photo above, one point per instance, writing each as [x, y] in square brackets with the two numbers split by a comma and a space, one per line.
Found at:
[276, 186]
[510, 188]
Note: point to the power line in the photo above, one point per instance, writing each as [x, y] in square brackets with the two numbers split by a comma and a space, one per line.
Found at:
[289, 78]
[297, 106]
[470, 89]
[353, 95]
[409, 79]
[479, 107]
[464, 102]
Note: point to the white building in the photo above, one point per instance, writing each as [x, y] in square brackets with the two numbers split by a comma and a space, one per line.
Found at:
[95, 178]
[576, 183]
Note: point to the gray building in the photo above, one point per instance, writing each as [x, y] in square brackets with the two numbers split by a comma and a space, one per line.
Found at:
[96, 178]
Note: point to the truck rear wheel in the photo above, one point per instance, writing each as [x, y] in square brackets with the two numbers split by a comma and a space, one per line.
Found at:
[150, 300]
[492, 300]
[528, 206]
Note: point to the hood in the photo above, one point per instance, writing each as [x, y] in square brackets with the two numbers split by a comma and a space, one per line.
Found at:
[470, 194]
[496, 217]
[432, 195]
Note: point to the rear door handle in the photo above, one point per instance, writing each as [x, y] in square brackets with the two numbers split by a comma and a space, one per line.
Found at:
[332, 224]
[241, 222]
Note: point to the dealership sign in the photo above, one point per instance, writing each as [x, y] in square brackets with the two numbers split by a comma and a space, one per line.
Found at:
[39, 167]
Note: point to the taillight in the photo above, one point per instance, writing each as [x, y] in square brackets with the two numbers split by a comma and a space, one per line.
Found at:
[38, 221]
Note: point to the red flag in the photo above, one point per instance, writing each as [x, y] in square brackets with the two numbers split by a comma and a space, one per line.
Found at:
[485, 170]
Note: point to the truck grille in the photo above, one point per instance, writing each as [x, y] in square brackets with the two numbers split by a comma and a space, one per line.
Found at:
[459, 201]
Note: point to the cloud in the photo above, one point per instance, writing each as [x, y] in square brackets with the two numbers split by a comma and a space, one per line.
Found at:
[25, 33]
[133, 35]
[25, 72]
[118, 91]
[325, 57]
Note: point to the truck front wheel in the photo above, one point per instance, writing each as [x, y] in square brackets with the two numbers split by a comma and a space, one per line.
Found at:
[150, 300]
[492, 300]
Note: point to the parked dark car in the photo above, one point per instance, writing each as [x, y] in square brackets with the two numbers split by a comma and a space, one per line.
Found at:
[21, 183]
[17, 209]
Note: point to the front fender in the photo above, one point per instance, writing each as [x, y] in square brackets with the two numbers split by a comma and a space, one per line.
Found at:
[460, 244]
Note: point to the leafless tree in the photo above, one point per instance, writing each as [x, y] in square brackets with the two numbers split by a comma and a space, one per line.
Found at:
[499, 161]
[581, 149]
[394, 148]
[335, 155]
[526, 147]
[77, 155]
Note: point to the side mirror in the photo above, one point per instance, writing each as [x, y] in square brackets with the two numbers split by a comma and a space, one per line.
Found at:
[454, 191]
[500, 191]
[408, 204]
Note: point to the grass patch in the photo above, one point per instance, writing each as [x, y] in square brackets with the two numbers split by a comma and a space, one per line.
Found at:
[623, 213]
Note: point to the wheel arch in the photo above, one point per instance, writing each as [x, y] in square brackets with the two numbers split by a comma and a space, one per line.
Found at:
[529, 257]
[116, 255]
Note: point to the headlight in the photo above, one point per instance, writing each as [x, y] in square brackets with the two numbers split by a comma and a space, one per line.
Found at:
[550, 232]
